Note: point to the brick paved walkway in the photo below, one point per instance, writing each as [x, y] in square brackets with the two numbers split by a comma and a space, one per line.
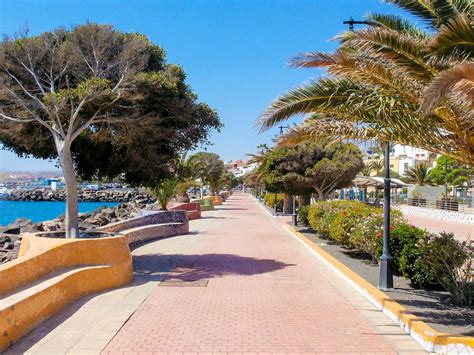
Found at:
[243, 284]
[461, 231]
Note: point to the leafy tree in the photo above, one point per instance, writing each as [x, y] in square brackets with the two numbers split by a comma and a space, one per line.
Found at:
[392, 81]
[318, 166]
[103, 102]
[214, 170]
[456, 174]
[419, 174]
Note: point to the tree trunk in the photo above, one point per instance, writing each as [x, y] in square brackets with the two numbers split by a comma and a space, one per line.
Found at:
[321, 195]
[287, 204]
[304, 200]
[65, 160]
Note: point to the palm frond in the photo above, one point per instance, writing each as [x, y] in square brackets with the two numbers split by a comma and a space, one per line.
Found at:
[312, 60]
[396, 23]
[423, 9]
[307, 98]
[455, 37]
[318, 127]
[402, 50]
[457, 82]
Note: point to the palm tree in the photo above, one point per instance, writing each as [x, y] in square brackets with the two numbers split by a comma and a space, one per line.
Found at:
[188, 170]
[373, 166]
[382, 77]
[165, 191]
[419, 174]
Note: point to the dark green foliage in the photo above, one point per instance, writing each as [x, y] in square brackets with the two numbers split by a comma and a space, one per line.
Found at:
[309, 167]
[456, 174]
[155, 118]
[450, 263]
[404, 240]
[303, 215]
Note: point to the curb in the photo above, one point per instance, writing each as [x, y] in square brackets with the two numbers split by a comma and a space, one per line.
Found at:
[430, 339]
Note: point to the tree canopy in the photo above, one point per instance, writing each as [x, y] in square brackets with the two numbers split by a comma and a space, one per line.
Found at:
[318, 167]
[451, 171]
[101, 101]
[156, 118]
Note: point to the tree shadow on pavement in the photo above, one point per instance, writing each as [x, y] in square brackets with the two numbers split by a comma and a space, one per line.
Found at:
[155, 267]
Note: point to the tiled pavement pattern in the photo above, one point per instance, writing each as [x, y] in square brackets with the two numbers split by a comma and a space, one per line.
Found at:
[239, 284]
[266, 293]
[461, 231]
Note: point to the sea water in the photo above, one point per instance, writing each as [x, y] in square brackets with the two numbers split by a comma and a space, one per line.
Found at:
[39, 211]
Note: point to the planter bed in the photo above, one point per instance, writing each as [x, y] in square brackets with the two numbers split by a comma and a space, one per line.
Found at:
[432, 307]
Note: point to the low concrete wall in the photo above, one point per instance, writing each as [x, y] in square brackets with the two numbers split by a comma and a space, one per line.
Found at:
[40, 256]
[206, 204]
[87, 269]
[216, 199]
[53, 272]
[193, 209]
[139, 235]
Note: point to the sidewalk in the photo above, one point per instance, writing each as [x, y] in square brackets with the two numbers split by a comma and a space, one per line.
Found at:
[461, 231]
[239, 283]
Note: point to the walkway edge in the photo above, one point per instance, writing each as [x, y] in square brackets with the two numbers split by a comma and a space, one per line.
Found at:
[430, 339]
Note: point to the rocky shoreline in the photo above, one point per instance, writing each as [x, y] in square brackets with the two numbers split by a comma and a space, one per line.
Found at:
[11, 235]
[45, 194]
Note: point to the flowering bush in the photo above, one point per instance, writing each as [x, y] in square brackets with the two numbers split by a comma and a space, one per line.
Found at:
[346, 220]
[367, 236]
[321, 215]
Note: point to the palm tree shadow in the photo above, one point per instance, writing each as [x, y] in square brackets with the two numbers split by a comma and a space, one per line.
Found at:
[156, 267]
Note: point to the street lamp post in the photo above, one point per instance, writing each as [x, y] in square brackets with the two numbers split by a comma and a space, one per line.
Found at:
[385, 269]
[294, 216]
[446, 177]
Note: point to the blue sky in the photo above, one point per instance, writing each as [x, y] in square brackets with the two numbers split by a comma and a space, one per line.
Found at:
[233, 51]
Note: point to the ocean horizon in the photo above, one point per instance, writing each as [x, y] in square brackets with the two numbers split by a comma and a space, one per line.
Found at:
[39, 211]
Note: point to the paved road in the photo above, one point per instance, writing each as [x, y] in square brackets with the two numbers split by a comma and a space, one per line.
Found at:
[239, 283]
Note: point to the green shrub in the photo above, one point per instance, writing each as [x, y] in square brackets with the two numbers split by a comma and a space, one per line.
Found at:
[320, 217]
[303, 214]
[269, 199]
[450, 263]
[405, 253]
[345, 220]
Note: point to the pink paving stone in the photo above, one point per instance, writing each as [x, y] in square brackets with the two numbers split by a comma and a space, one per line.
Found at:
[263, 296]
